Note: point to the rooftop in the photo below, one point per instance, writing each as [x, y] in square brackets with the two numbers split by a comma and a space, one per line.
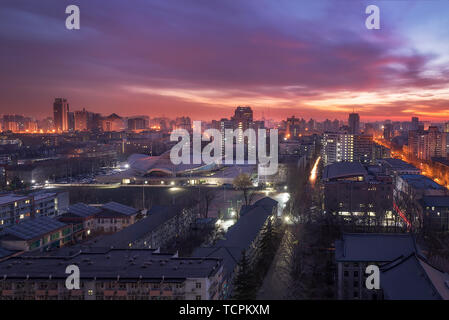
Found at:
[82, 210]
[157, 215]
[373, 247]
[120, 208]
[44, 195]
[398, 164]
[412, 278]
[11, 197]
[32, 228]
[119, 264]
[418, 181]
[436, 201]
[344, 170]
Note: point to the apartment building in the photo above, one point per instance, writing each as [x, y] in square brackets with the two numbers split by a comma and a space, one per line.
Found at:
[161, 226]
[358, 194]
[355, 251]
[15, 208]
[112, 274]
[114, 217]
[36, 233]
[434, 212]
[82, 217]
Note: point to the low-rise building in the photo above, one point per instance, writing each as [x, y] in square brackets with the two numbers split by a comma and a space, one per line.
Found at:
[82, 217]
[413, 278]
[355, 194]
[15, 208]
[416, 186]
[398, 167]
[408, 192]
[114, 217]
[50, 204]
[435, 213]
[112, 274]
[36, 233]
[161, 226]
[354, 252]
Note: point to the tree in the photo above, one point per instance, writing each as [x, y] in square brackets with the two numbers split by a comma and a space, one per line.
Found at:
[244, 284]
[244, 183]
[16, 184]
[208, 196]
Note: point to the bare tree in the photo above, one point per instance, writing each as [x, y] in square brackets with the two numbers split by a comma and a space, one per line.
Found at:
[208, 196]
[244, 183]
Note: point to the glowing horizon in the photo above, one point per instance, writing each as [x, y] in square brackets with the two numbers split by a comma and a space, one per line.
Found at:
[203, 59]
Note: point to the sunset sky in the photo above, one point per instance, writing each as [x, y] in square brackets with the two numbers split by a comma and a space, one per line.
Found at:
[202, 58]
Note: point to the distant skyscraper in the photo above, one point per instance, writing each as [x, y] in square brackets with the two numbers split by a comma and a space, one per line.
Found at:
[60, 114]
[388, 131]
[243, 119]
[81, 120]
[71, 121]
[415, 123]
[354, 123]
[425, 145]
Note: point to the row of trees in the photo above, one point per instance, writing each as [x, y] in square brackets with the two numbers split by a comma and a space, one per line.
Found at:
[250, 274]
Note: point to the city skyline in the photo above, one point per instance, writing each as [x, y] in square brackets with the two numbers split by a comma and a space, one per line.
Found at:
[221, 55]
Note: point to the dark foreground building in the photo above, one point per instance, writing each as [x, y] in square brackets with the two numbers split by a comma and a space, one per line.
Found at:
[111, 274]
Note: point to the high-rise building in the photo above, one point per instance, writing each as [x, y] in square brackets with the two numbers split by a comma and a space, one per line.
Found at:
[81, 120]
[71, 121]
[243, 119]
[347, 147]
[337, 147]
[425, 145]
[224, 125]
[138, 123]
[415, 123]
[60, 114]
[292, 127]
[363, 148]
[184, 123]
[354, 123]
[112, 122]
[446, 127]
[388, 131]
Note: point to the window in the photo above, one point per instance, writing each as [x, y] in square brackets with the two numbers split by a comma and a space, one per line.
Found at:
[198, 285]
[198, 297]
[90, 292]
